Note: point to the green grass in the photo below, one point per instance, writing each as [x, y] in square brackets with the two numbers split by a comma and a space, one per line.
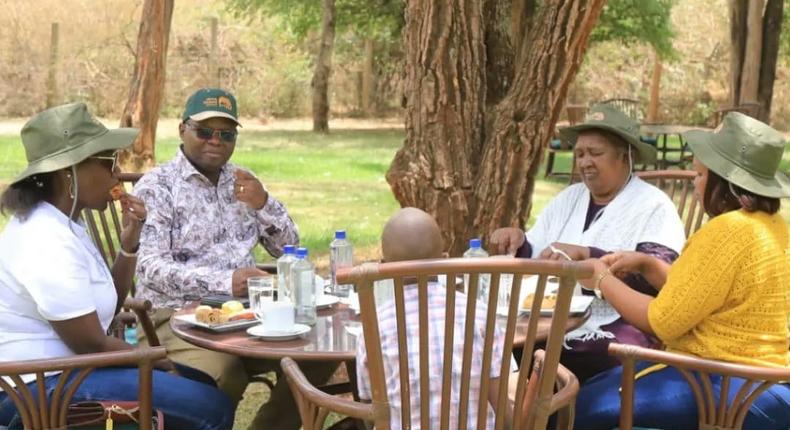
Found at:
[327, 183]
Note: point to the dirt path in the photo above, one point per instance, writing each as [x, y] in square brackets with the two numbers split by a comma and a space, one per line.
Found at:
[169, 126]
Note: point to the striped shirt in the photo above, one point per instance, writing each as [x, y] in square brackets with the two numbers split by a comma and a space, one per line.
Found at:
[436, 317]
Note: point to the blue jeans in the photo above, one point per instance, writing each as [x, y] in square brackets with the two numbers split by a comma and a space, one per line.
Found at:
[186, 404]
[664, 400]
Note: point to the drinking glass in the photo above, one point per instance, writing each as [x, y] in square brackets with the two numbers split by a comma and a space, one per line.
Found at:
[261, 292]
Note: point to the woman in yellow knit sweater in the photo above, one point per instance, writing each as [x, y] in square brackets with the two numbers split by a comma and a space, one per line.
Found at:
[727, 297]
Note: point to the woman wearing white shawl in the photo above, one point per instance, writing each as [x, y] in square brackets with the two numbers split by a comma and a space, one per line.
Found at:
[610, 210]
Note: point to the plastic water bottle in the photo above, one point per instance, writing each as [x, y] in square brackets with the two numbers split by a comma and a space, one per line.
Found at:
[130, 335]
[302, 280]
[284, 263]
[476, 251]
[340, 255]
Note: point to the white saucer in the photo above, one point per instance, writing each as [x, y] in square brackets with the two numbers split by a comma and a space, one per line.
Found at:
[326, 301]
[263, 333]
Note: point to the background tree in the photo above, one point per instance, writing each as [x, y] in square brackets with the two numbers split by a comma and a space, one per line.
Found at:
[477, 115]
[755, 34]
[640, 21]
[371, 21]
[148, 84]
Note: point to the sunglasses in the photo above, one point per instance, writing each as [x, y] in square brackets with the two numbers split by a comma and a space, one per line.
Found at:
[112, 158]
[206, 133]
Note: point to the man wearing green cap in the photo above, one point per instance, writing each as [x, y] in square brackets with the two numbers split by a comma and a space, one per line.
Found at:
[609, 210]
[205, 216]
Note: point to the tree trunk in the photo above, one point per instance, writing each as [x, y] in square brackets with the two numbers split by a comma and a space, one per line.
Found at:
[323, 69]
[772, 27]
[148, 83]
[367, 79]
[738, 14]
[655, 89]
[52, 75]
[470, 180]
[750, 74]
[755, 28]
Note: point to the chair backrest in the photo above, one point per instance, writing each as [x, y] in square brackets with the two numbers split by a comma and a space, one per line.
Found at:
[726, 414]
[41, 413]
[629, 107]
[538, 392]
[105, 227]
[575, 113]
[679, 186]
[751, 109]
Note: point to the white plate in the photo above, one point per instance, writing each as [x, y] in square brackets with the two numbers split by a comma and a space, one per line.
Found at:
[263, 333]
[218, 328]
[579, 306]
[326, 301]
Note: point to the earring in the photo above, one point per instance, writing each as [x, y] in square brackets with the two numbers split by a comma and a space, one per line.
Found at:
[71, 186]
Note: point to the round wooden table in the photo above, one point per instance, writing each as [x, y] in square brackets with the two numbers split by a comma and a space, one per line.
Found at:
[328, 340]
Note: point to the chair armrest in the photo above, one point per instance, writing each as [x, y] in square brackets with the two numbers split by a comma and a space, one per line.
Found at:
[268, 267]
[134, 304]
[141, 307]
[129, 357]
[688, 362]
[302, 388]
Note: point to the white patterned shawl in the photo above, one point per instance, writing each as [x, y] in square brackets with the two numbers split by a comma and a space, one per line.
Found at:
[639, 213]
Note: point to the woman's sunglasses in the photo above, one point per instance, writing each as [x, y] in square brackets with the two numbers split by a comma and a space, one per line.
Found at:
[112, 158]
[206, 133]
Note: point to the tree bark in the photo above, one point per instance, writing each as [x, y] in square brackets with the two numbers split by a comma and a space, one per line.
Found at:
[470, 180]
[772, 27]
[750, 74]
[147, 88]
[323, 68]
[367, 79]
[655, 89]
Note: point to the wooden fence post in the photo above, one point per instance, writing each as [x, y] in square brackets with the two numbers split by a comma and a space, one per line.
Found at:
[52, 76]
[214, 60]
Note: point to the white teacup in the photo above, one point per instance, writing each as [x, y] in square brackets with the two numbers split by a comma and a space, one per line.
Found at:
[278, 316]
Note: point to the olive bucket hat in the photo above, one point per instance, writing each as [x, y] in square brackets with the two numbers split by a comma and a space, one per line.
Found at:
[745, 152]
[605, 117]
[65, 135]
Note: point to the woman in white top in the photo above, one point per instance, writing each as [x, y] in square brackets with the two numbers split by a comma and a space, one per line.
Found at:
[57, 296]
[610, 210]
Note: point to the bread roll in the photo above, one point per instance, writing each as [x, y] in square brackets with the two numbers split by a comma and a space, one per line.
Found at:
[202, 313]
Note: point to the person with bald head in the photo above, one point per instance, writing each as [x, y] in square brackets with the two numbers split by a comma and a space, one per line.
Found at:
[412, 234]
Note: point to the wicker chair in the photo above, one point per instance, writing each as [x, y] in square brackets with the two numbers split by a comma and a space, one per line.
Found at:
[629, 107]
[726, 415]
[535, 394]
[41, 413]
[751, 109]
[679, 186]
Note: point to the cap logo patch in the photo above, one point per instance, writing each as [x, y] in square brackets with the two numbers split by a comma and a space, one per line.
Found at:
[225, 102]
[210, 101]
[596, 116]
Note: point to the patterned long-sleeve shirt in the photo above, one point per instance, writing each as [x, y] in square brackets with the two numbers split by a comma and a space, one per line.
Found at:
[197, 234]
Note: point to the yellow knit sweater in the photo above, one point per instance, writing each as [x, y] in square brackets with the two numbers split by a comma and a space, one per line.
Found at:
[727, 297]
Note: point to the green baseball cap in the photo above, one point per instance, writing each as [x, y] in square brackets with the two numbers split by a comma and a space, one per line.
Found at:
[605, 117]
[208, 103]
[65, 135]
[745, 152]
